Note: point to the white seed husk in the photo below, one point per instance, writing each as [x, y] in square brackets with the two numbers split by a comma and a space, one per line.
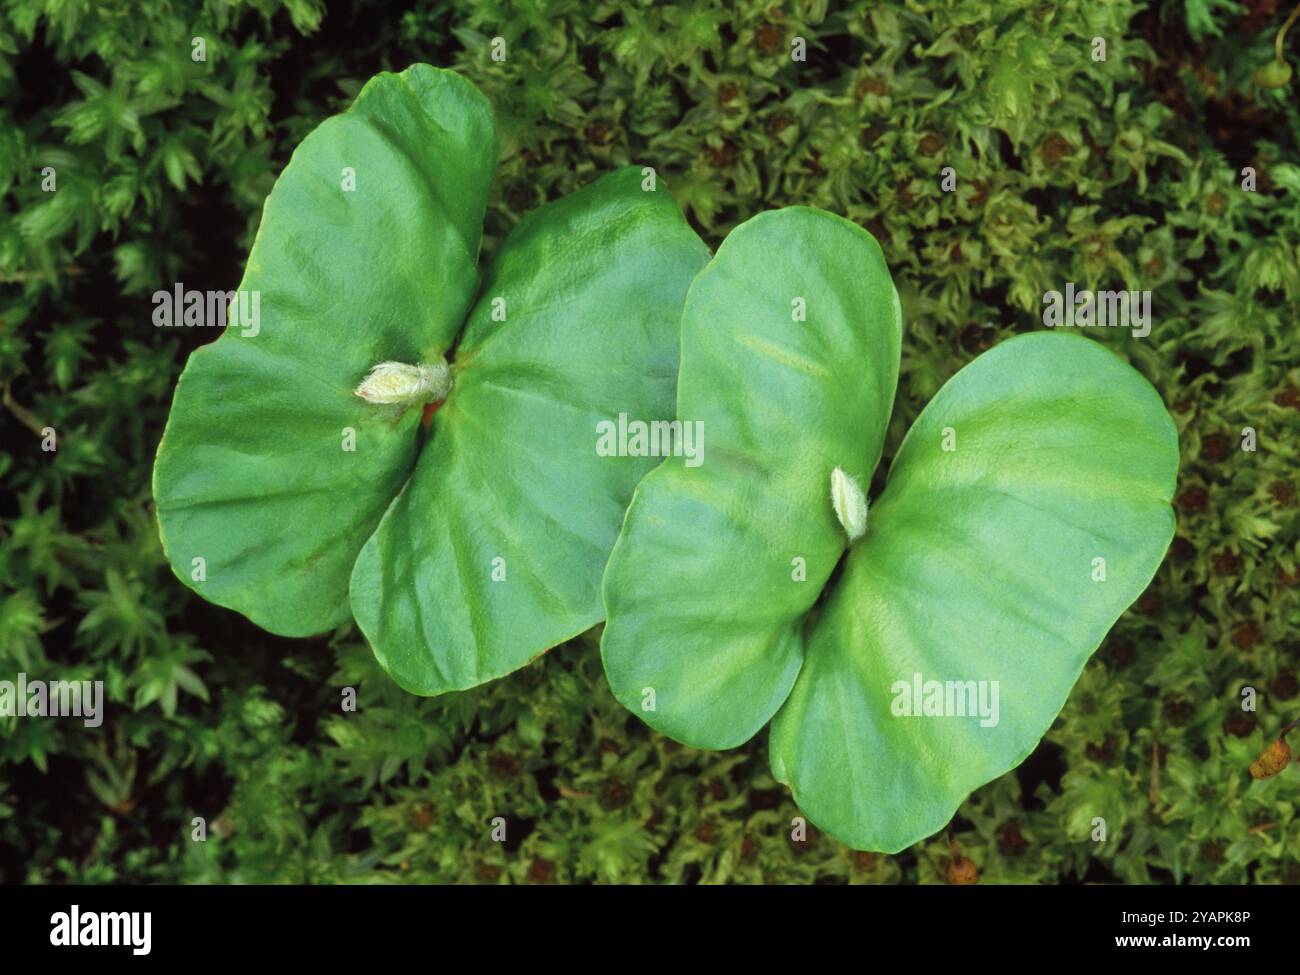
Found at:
[850, 503]
[403, 383]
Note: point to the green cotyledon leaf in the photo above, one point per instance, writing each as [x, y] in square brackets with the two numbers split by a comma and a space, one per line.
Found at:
[495, 549]
[294, 466]
[790, 352]
[1026, 509]
[271, 473]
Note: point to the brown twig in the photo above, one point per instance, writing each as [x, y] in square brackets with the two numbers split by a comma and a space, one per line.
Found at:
[18, 277]
[1153, 794]
[25, 416]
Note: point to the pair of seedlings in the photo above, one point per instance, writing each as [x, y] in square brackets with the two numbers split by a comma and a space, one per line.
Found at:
[295, 466]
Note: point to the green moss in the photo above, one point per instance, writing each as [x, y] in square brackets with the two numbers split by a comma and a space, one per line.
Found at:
[1122, 173]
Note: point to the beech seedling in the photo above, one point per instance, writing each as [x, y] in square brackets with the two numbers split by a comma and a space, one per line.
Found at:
[906, 649]
[295, 482]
